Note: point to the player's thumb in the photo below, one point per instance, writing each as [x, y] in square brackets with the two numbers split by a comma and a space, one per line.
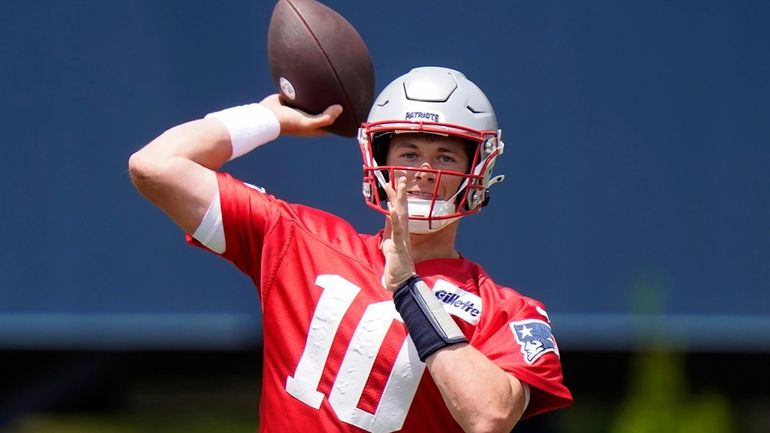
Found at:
[331, 114]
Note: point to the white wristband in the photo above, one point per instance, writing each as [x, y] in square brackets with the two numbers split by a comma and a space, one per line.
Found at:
[250, 126]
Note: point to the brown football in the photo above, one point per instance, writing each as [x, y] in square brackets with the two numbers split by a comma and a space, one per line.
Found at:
[317, 59]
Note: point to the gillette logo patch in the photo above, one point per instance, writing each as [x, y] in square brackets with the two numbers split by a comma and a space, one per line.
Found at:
[458, 302]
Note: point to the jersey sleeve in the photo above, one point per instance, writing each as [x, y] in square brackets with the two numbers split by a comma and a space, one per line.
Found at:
[259, 229]
[519, 339]
[248, 214]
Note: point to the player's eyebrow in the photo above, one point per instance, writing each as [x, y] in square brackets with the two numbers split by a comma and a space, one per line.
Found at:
[453, 149]
[440, 149]
[406, 144]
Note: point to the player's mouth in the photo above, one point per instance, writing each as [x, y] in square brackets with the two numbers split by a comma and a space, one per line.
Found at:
[420, 194]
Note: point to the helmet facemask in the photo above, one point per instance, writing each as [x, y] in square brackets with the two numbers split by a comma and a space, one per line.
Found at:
[431, 214]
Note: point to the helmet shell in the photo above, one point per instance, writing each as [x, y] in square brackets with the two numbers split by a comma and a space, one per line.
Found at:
[435, 94]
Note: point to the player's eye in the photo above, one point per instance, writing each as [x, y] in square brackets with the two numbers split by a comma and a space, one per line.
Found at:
[446, 159]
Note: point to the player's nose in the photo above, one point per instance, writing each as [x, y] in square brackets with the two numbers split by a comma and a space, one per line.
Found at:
[425, 172]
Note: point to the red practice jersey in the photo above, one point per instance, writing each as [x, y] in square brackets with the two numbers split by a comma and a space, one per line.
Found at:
[337, 356]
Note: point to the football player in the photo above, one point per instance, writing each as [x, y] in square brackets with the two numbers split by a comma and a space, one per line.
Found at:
[394, 331]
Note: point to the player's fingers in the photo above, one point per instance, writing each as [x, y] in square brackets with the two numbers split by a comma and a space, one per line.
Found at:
[387, 232]
[386, 246]
[333, 111]
[400, 216]
[396, 228]
[402, 209]
[327, 117]
[398, 191]
[395, 225]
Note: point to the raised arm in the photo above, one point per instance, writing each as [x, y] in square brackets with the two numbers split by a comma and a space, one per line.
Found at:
[176, 171]
[494, 400]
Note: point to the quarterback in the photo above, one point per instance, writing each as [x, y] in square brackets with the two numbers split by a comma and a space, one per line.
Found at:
[393, 331]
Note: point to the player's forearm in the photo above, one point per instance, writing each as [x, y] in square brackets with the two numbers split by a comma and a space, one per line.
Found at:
[215, 139]
[480, 395]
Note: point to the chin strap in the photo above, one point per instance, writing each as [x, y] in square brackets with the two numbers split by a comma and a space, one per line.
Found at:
[422, 208]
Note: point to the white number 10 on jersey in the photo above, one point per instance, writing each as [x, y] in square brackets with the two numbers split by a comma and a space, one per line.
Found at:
[337, 296]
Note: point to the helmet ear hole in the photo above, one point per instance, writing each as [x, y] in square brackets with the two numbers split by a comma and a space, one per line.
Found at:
[380, 145]
[381, 191]
[471, 150]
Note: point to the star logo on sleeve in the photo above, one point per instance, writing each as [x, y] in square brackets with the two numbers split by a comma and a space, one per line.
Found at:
[535, 339]
[525, 332]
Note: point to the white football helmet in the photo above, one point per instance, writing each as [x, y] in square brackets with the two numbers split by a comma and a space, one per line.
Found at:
[432, 100]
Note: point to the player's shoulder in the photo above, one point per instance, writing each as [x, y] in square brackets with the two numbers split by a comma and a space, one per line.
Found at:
[469, 276]
[325, 225]
[236, 189]
[505, 295]
[312, 222]
[233, 189]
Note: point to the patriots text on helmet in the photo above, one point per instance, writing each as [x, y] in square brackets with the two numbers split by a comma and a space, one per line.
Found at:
[422, 115]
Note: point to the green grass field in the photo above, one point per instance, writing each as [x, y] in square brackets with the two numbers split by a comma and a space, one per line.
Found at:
[141, 423]
[136, 423]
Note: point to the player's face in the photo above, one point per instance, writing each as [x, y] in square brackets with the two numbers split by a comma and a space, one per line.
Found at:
[429, 152]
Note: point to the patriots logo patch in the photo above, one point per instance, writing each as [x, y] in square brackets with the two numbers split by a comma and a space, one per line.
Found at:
[535, 339]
